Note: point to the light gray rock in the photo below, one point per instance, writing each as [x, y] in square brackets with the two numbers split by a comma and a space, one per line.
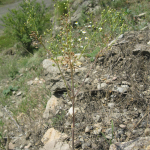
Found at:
[19, 93]
[137, 143]
[50, 107]
[111, 105]
[120, 89]
[101, 86]
[87, 129]
[97, 131]
[50, 67]
[86, 145]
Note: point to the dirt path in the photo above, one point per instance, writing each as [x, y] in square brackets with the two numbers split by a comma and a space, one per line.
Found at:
[4, 9]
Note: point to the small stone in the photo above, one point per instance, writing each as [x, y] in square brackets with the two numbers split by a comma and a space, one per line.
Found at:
[77, 144]
[97, 131]
[30, 82]
[111, 105]
[114, 78]
[14, 92]
[126, 83]
[96, 81]
[109, 136]
[122, 126]
[86, 80]
[102, 85]
[87, 129]
[148, 147]
[109, 81]
[86, 145]
[147, 132]
[11, 146]
[36, 79]
[19, 93]
[28, 134]
[122, 89]
[28, 146]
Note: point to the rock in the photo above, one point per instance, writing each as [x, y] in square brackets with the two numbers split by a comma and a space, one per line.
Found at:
[80, 57]
[78, 13]
[52, 135]
[137, 143]
[122, 126]
[50, 107]
[19, 93]
[30, 82]
[148, 147]
[147, 132]
[76, 4]
[28, 146]
[86, 145]
[143, 49]
[76, 110]
[11, 146]
[126, 83]
[120, 89]
[94, 10]
[77, 144]
[50, 66]
[109, 136]
[56, 145]
[97, 131]
[101, 86]
[87, 129]
[111, 105]
[97, 118]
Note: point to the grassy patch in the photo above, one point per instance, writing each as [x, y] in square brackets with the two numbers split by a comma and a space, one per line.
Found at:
[6, 41]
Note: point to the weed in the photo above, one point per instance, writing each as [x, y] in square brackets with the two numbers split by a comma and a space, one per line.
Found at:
[1, 135]
[9, 90]
[112, 132]
[6, 41]
[59, 118]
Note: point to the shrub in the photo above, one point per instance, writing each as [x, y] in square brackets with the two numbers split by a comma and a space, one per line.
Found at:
[9, 90]
[20, 22]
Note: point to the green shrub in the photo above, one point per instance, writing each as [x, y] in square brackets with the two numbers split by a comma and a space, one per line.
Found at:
[30, 16]
[9, 90]
[62, 7]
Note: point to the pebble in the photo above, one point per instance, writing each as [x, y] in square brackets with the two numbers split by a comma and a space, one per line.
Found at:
[87, 129]
[102, 85]
[147, 132]
[19, 93]
[111, 105]
[122, 126]
[86, 145]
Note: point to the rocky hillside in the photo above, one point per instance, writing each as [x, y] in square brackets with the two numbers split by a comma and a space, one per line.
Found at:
[116, 91]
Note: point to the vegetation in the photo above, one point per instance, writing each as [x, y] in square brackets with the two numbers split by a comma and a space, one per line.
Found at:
[17, 25]
[30, 23]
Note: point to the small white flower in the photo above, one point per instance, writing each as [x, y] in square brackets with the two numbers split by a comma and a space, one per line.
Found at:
[76, 23]
[83, 32]
[89, 26]
[79, 39]
[81, 46]
[100, 29]
[86, 38]
[90, 22]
